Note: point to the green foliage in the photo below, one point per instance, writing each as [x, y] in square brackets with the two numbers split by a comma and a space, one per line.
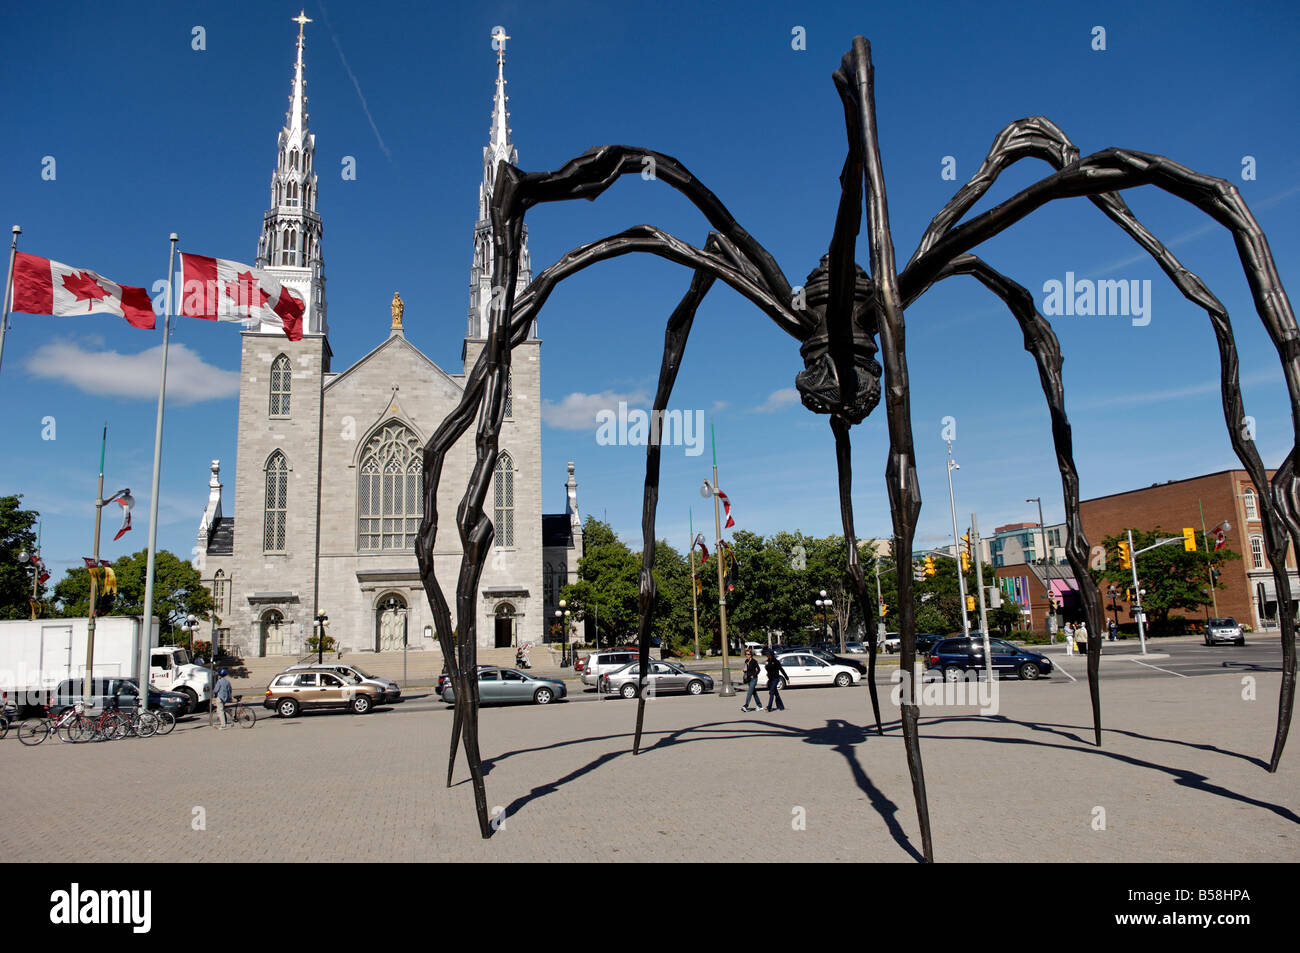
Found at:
[17, 534]
[314, 646]
[1172, 577]
[178, 592]
[1006, 616]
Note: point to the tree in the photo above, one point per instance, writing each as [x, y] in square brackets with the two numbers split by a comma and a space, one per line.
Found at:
[17, 534]
[178, 592]
[1172, 577]
[1006, 616]
[608, 582]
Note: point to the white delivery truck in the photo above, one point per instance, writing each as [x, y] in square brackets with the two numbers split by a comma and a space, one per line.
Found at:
[36, 656]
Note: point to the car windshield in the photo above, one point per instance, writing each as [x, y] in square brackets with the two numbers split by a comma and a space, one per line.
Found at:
[1223, 621]
[362, 673]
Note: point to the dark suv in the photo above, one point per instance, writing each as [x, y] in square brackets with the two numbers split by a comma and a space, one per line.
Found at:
[116, 692]
[954, 657]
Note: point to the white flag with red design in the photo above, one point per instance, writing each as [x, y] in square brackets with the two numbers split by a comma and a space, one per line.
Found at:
[41, 286]
[219, 290]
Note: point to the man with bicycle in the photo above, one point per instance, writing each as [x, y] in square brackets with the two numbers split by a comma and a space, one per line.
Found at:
[221, 697]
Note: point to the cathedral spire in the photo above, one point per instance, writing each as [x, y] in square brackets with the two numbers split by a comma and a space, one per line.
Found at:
[290, 245]
[498, 149]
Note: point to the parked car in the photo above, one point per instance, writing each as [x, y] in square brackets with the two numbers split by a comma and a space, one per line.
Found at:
[955, 657]
[804, 668]
[119, 693]
[664, 678]
[503, 685]
[387, 690]
[830, 656]
[292, 692]
[1224, 630]
[610, 660]
[444, 679]
[855, 648]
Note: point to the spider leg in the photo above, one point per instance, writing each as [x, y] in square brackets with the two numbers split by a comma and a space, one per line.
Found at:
[904, 492]
[678, 330]
[844, 464]
[1041, 342]
[1113, 169]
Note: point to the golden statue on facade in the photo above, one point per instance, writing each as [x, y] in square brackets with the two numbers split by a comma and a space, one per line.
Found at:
[398, 308]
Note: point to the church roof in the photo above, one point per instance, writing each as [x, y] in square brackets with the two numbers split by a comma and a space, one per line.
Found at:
[395, 340]
[557, 530]
[221, 541]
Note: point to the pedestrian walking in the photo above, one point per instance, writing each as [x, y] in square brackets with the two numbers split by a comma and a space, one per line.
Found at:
[751, 679]
[1112, 628]
[1081, 636]
[775, 672]
[221, 697]
[1069, 638]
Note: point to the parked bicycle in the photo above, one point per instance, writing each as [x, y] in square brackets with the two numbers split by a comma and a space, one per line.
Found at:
[66, 724]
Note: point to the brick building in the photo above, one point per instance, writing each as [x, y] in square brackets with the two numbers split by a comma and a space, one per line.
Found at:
[1248, 593]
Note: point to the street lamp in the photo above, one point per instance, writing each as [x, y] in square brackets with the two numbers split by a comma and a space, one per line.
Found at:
[322, 621]
[1042, 530]
[824, 605]
[1114, 603]
[25, 557]
[563, 615]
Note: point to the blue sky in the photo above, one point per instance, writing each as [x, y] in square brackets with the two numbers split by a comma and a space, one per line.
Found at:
[151, 136]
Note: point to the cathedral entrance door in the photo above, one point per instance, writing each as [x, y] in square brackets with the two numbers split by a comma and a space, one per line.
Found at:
[390, 628]
[272, 633]
[505, 626]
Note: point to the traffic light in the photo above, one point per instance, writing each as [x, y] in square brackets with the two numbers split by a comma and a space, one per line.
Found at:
[965, 562]
[1128, 595]
[970, 603]
[1189, 539]
[1125, 560]
[884, 610]
[929, 566]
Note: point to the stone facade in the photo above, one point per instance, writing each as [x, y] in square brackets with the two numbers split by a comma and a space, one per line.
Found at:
[328, 481]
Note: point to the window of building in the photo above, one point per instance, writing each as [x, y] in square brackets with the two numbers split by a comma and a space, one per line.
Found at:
[391, 495]
[219, 586]
[289, 251]
[1257, 552]
[291, 194]
[510, 395]
[281, 382]
[1252, 510]
[277, 498]
[504, 513]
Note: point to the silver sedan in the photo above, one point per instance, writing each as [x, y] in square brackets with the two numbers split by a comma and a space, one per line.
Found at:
[664, 678]
[508, 685]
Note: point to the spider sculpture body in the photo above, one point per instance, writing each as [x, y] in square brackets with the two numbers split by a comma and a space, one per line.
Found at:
[837, 318]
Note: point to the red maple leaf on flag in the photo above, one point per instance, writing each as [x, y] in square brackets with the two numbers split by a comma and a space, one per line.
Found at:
[84, 288]
[246, 292]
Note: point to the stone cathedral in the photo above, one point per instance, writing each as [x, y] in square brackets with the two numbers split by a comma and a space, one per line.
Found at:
[328, 474]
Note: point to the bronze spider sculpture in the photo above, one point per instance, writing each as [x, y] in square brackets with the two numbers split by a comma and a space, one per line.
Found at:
[836, 318]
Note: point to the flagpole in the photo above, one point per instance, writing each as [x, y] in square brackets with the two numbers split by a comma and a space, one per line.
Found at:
[146, 622]
[726, 690]
[9, 291]
[87, 675]
[695, 608]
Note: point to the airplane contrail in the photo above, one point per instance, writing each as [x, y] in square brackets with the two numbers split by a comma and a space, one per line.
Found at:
[355, 85]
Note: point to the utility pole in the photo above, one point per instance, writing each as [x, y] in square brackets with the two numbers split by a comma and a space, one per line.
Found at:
[1137, 594]
[956, 543]
[979, 583]
[726, 690]
[1209, 570]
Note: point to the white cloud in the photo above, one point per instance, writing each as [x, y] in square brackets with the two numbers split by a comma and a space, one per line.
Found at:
[578, 411]
[111, 374]
[777, 400]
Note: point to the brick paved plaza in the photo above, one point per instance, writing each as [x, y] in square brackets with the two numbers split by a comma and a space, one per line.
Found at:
[1181, 778]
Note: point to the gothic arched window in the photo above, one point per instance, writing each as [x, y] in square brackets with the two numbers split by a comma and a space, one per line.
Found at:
[293, 159]
[391, 499]
[1257, 552]
[291, 194]
[277, 503]
[281, 382]
[504, 511]
[510, 395]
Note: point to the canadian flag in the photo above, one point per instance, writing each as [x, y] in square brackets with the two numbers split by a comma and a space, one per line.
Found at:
[219, 290]
[42, 286]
